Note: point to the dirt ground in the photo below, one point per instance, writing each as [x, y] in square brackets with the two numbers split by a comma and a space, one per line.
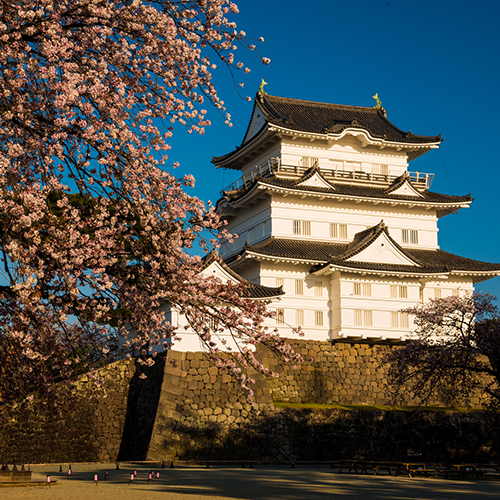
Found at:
[216, 483]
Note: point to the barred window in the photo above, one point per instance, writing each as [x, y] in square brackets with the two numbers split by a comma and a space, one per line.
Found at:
[299, 287]
[318, 289]
[400, 291]
[309, 161]
[280, 316]
[363, 317]
[409, 236]
[363, 289]
[358, 317]
[338, 231]
[455, 293]
[394, 320]
[399, 319]
[302, 227]
[404, 319]
[318, 318]
[437, 293]
[280, 282]
[299, 317]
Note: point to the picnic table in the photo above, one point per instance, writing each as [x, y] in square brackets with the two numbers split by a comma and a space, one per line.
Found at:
[415, 468]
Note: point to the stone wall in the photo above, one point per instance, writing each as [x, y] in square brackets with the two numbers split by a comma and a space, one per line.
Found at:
[186, 409]
[88, 428]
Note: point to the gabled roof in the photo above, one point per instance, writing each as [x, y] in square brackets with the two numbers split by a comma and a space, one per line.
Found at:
[326, 188]
[325, 257]
[273, 114]
[319, 117]
[216, 267]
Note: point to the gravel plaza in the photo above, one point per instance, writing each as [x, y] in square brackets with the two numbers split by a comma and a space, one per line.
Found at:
[261, 482]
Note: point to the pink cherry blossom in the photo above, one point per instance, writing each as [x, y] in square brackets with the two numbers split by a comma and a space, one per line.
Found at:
[96, 231]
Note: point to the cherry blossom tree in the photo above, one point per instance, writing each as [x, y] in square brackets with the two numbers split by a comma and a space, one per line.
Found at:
[454, 353]
[96, 230]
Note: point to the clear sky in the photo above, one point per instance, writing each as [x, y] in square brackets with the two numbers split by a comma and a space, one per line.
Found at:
[435, 66]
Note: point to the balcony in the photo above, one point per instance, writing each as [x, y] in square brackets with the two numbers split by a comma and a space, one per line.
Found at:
[274, 166]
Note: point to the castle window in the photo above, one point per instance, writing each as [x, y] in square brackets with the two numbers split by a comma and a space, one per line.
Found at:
[363, 318]
[213, 323]
[299, 317]
[318, 318]
[302, 227]
[437, 293]
[265, 227]
[299, 287]
[409, 236]
[280, 316]
[338, 231]
[378, 168]
[399, 291]
[363, 289]
[251, 235]
[399, 320]
[309, 161]
[404, 320]
[280, 282]
[455, 293]
[318, 289]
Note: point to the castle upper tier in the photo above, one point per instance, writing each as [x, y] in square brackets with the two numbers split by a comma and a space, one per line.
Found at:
[327, 209]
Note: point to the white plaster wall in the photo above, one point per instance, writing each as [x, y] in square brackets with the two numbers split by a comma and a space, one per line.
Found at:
[357, 217]
[348, 149]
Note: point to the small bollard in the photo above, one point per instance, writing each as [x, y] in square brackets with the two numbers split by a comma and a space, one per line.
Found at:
[172, 465]
[163, 465]
[60, 468]
[117, 466]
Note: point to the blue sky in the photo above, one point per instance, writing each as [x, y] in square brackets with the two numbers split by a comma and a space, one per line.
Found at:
[434, 64]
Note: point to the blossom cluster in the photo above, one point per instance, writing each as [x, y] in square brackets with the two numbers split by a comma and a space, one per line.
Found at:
[96, 231]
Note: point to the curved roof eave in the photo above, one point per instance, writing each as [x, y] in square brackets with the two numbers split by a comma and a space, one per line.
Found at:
[355, 132]
[261, 185]
[225, 160]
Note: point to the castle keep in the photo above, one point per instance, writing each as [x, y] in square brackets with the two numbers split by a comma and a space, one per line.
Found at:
[328, 209]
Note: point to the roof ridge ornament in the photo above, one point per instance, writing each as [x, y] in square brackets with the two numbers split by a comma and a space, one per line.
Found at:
[378, 101]
[261, 88]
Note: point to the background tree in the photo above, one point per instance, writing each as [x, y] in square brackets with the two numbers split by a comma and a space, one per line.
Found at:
[93, 225]
[455, 352]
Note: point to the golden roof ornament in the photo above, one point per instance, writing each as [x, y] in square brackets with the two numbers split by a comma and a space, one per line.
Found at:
[261, 88]
[379, 102]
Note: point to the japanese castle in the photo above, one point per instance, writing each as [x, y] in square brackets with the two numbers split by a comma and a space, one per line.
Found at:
[327, 209]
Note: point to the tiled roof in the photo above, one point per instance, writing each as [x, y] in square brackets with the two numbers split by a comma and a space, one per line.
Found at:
[358, 191]
[253, 291]
[431, 261]
[322, 118]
